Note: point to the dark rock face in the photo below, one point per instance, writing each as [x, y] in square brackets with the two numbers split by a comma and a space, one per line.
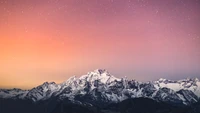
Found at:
[189, 96]
[88, 105]
[145, 105]
[168, 95]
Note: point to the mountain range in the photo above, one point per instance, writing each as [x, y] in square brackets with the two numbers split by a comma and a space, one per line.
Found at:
[101, 92]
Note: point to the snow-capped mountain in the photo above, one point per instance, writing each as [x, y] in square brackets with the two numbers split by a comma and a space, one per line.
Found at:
[187, 84]
[43, 91]
[99, 85]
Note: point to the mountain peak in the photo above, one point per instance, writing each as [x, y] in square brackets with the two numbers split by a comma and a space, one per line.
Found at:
[100, 71]
[69, 81]
[72, 78]
[196, 79]
[48, 83]
[99, 74]
[163, 80]
[189, 80]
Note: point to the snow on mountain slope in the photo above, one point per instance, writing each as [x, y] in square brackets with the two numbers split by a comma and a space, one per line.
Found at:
[13, 93]
[102, 76]
[187, 84]
[93, 81]
[43, 91]
[168, 95]
[100, 85]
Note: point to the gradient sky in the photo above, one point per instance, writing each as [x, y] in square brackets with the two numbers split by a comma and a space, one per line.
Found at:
[51, 40]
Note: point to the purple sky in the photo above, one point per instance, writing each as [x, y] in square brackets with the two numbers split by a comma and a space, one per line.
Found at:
[51, 40]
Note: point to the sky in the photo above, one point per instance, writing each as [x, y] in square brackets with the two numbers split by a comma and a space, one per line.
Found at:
[51, 40]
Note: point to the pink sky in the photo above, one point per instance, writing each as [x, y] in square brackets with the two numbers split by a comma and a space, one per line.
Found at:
[142, 39]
